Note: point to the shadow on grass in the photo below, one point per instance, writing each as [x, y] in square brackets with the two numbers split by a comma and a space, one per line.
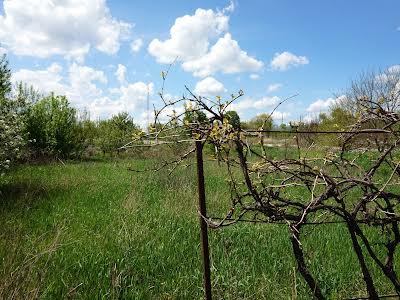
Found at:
[17, 195]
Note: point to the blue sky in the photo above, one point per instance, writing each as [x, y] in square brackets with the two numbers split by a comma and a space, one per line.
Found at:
[106, 55]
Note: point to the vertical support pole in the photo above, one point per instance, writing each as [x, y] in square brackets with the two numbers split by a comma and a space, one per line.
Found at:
[203, 225]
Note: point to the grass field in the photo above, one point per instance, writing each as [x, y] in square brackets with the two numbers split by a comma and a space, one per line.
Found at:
[94, 230]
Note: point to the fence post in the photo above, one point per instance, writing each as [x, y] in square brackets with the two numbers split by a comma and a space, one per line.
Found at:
[203, 224]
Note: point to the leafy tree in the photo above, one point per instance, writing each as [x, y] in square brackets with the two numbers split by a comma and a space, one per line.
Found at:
[233, 118]
[11, 136]
[194, 115]
[283, 127]
[260, 122]
[5, 78]
[53, 127]
[115, 132]
[11, 122]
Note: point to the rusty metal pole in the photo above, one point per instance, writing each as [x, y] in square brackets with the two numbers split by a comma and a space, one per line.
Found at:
[203, 224]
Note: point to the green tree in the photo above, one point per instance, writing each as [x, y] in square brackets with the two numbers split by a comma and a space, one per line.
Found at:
[11, 122]
[52, 126]
[259, 122]
[233, 118]
[5, 78]
[338, 119]
[192, 116]
[115, 132]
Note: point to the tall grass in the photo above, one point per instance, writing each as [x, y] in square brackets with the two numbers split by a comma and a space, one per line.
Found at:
[94, 230]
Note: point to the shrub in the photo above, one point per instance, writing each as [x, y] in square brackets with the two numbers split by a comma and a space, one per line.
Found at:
[115, 132]
[11, 121]
[53, 127]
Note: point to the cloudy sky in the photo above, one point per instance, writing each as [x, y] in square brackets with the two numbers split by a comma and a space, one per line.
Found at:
[106, 56]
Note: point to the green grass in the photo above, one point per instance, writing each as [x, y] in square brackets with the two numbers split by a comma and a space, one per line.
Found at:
[94, 230]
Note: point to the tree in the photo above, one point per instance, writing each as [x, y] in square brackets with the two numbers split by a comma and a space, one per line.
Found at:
[53, 128]
[260, 122]
[380, 90]
[115, 132]
[233, 118]
[194, 115]
[11, 122]
[5, 78]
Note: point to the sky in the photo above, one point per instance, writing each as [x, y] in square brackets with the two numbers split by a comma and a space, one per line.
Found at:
[107, 56]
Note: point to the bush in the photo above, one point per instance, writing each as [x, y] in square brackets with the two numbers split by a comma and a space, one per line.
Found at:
[53, 127]
[11, 121]
[115, 132]
[11, 135]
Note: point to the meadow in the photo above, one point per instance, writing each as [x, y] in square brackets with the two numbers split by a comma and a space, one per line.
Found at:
[95, 230]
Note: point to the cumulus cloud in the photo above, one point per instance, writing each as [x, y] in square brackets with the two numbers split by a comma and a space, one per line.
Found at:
[250, 103]
[323, 105]
[135, 94]
[136, 45]
[225, 56]
[274, 87]
[254, 76]
[46, 81]
[391, 74]
[229, 8]
[121, 73]
[278, 115]
[394, 69]
[81, 86]
[132, 96]
[209, 87]
[286, 60]
[390, 78]
[190, 43]
[69, 28]
[190, 36]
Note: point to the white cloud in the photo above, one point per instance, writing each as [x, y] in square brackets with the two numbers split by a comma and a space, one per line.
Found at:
[135, 94]
[3, 51]
[390, 78]
[190, 40]
[46, 81]
[286, 60]
[274, 87]
[136, 45]
[209, 87]
[69, 28]
[254, 76]
[190, 36]
[394, 69]
[131, 97]
[323, 105]
[391, 74]
[225, 56]
[249, 103]
[278, 115]
[229, 8]
[121, 73]
[80, 86]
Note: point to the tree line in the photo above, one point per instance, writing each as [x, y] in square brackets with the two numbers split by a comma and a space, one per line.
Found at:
[35, 126]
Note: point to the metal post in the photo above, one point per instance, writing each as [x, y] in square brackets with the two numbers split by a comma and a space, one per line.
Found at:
[203, 224]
